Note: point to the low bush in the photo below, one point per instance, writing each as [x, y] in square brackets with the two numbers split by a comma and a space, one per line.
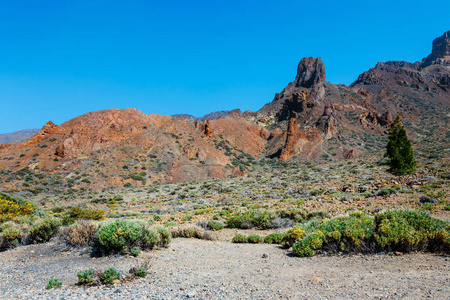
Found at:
[274, 238]
[135, 251]
[395, 230]
[141, 272]
[190, 231]
[53, 283]
[11, 209]
[400, 230]
[82, 233]
[44, 229]
[250, 219]
[292, 235]
[215, 225]
[10, 237]
[239, 239]
[281, 218]
[110, 275]
[76, 213]
[121, 235]
[86, 276]
[254, 239]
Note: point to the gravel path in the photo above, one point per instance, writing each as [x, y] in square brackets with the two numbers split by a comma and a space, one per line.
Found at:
[221, 270]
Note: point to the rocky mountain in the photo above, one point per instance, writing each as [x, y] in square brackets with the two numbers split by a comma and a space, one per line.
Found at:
[309, 120]
[211, 116]
[17, 136]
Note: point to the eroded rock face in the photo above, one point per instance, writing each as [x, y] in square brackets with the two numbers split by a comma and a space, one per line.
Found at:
[207, 130]
[440, 53]
[327, 122]
[370, 119]
[276, 132]
[292, 137]
[310, 72]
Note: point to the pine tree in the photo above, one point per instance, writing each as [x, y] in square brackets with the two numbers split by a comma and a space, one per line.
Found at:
[399, 150]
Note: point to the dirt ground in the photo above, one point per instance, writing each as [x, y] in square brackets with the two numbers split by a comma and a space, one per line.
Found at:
[192, 268]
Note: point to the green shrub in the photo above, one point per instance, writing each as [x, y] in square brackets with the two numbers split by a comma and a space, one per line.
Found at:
[135, 251]
[411, 230]
[254, 239]
[157, 218]
[76, 213]
[396, 230]
[53, 283]
[110, 275]
[150, 238]
[10, 237]
[274, 238]
[321, 214]
[187, 218]
[115, 236]
[239, 238]
[44, 229]
[215, 225]
[292, 235]
[250, 219]
[165, 236]
[307, 247]
[141, 272]
[86, 276]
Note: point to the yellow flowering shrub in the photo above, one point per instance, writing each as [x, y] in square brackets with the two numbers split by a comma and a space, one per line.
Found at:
[10, 210]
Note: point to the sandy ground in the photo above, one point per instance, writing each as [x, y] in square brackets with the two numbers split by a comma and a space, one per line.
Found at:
[199, 269]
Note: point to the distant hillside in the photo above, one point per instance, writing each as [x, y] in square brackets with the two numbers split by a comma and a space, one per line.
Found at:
[211, 116]
[17, 136]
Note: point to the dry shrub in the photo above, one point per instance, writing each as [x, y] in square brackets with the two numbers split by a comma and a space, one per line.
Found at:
[191, 231]
[81, 233]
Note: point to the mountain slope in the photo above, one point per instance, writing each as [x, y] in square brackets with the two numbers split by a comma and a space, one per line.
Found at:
[310, 119]
[17, 136]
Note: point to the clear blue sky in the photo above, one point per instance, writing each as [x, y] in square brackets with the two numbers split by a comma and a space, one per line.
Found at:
[60, 59]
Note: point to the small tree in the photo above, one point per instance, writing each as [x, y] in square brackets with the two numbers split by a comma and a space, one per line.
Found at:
[399, 150]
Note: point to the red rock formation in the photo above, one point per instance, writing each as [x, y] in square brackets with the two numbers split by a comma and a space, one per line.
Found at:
[292, 137]
[264, 133]
[276, 132]
[207, 130]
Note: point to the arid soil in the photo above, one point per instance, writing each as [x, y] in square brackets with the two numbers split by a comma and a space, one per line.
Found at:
[200, 269]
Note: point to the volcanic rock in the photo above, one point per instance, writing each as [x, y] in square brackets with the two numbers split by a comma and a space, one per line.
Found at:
[440, 53]
[327, 122]
[292, 137]
[207, 130]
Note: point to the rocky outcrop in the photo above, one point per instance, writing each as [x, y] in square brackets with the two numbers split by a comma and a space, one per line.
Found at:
[368, 78]
[292, 137]
[276, 132]
[295, 106]
[307, 90]
[264, 133]
[311, 75]
[48, 129]
[207, 130]
[310, 72]
[440, 52]
[327, 122]
[371, 119]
